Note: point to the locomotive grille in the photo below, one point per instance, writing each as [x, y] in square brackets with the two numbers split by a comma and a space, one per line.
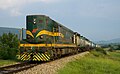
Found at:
[35, 56]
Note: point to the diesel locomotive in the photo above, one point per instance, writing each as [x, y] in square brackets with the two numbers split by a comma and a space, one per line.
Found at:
[47, 39]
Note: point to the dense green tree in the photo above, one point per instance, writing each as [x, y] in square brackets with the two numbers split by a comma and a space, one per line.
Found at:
[8, 46]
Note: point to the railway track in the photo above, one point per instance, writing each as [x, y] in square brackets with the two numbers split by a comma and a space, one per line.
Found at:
[53, 66]
[16, 68]
[24, 66]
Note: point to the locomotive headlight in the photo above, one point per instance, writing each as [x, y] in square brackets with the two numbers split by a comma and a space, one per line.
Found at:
[41, 37]
[29, 37]
[34, 21]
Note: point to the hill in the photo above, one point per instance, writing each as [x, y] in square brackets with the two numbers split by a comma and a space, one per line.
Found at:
[112, 41]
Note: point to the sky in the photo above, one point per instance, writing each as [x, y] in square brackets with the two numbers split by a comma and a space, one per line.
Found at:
[95, 19]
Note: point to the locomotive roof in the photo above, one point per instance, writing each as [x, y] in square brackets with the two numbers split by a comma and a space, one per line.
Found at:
[52, 20]
[36, 15]
[61, 25]
[64, 27]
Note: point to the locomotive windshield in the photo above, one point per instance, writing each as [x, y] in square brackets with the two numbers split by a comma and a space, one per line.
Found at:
[34, 25]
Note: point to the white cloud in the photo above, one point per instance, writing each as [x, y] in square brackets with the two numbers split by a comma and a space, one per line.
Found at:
[4, 4]
[15, 12]
[13, 6]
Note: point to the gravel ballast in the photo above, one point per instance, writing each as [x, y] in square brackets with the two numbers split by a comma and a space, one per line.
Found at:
[53, 66]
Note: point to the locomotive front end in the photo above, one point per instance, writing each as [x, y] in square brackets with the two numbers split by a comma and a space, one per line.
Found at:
[33, 47]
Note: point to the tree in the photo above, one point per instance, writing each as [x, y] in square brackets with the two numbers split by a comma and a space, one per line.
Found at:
[8, 46]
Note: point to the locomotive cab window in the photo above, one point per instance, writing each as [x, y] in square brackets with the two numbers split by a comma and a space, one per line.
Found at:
[55, 29]
[40, 21]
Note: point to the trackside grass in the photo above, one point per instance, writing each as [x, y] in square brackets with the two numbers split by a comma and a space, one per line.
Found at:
[6, 62]
[96, 62]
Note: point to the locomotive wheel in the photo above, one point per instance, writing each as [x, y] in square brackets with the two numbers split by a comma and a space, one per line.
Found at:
[77, 51]
[59, 53]
[55, 54]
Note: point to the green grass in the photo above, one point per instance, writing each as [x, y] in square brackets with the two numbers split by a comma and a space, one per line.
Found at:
[7, 62]
[114, 56]
[95, 63]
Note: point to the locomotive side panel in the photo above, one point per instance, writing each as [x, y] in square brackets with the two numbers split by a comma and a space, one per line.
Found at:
[68, 35]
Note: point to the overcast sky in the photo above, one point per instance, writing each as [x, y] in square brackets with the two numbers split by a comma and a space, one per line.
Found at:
[95, 19]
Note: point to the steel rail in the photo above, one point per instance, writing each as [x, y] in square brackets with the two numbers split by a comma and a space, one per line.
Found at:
[16, 68]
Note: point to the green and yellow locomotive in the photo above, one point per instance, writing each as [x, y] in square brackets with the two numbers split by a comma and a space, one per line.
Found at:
[46, 39]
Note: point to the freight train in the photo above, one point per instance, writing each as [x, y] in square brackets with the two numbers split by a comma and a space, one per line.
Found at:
[47, 39]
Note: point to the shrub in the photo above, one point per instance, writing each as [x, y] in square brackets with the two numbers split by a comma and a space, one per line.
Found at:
[102, 51]
[99, 52]
[8, 46]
